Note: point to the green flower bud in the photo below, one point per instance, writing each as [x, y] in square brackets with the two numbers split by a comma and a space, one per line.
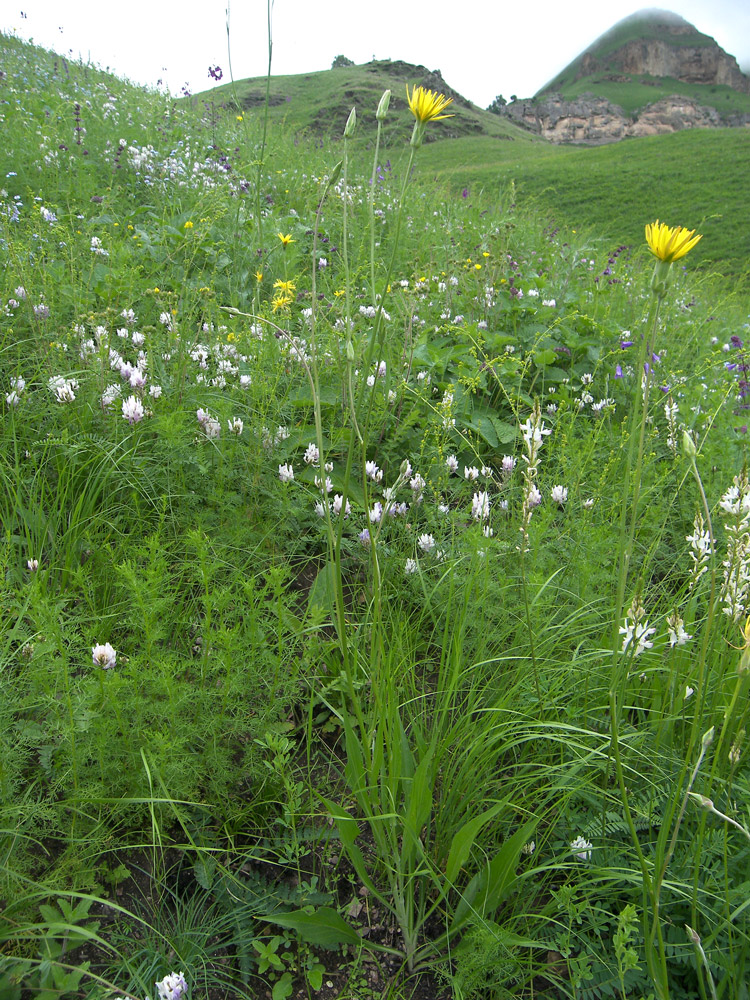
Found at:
[349, 351]
[382, 111]
[351, 124]
[688, 445]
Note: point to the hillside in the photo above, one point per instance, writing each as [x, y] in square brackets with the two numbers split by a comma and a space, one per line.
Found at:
[651, 44]
[318, 104]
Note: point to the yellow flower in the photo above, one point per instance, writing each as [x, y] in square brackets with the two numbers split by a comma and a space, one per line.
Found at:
[285, 240]
[188, 225]
[280, 301]
[669, 243]
[239, 118]
[259, 276]
[427, 105]
[285, 287]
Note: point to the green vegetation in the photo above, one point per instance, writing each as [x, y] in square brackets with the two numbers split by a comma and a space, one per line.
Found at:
[374, 557]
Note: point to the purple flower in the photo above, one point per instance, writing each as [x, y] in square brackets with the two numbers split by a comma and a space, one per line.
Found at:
[626, 343]
[618, 371]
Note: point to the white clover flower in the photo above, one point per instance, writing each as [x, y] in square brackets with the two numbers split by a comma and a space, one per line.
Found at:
[32, 565]
[132, 410]
[410, 566]
[480, 506]
[549, 302]
[104, 656]
[426, 543]
[373, 472]
[471, 473]
[312, 455]
[338, 502]
[286, 473]
[155, 391]
[235, 426]
[533, 497]
[581, 848]
[559, 494]
[376, 514]
[509, 464]
[172, 987]
[212, 428]
[689, 692]
[452, 464]
[63, 388]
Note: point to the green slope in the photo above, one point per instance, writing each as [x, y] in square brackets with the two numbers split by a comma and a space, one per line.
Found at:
[698, 179]
[319, 103]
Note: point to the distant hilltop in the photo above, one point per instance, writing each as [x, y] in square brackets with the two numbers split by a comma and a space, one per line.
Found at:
[653, 72]
[655, 43]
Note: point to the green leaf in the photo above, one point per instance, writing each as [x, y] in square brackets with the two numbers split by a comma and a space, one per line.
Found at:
[324, 927]
[544, 358]
[283, 988]
[315, 976]
[323, 589]
[463, 841]
[490, 887]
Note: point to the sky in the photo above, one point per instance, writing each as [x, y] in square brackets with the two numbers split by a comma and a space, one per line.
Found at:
[486, 48]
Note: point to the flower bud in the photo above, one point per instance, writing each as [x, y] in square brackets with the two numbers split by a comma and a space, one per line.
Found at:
[688, 445]
[335, 173]
[703, 801]
[660, 280]
[351, 124]
[382, 111]
[708, 738]
[349, 351]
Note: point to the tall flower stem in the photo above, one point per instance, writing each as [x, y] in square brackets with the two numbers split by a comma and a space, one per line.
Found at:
[261, 157]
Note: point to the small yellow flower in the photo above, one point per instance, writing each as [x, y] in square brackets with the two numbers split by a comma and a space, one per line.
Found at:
[285, 287]
[231, 337]
[669, 243]
[477, 267]
[188, 225]
[280, 301]
[485, 253]
[339, 292]
[240, 118]
[155, 289]
[285, 240]
[427, 105]
[259, 276]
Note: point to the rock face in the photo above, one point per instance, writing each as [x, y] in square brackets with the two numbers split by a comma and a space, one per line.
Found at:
[708, 64]
[593, 121]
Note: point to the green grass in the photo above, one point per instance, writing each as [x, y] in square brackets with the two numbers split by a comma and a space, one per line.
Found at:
[695, 178]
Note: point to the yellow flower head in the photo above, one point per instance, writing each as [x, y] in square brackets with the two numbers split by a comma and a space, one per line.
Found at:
[427, 105]
[259, 276]
[285, 240]
[188, 225]
[285, 287]
[669, 243]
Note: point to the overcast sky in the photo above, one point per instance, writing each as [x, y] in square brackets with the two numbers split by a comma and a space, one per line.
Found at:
[483, 48]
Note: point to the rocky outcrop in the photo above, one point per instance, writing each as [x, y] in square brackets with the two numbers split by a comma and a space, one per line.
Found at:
[707, 64]
[593, 121]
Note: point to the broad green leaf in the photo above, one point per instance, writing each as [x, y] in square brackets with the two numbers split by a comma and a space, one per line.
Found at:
[324, 927]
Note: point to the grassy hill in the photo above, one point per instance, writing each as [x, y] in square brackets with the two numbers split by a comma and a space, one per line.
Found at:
[319, 103]
[633, 91]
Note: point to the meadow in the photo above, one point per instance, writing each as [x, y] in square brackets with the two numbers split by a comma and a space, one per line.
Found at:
[376, 561]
